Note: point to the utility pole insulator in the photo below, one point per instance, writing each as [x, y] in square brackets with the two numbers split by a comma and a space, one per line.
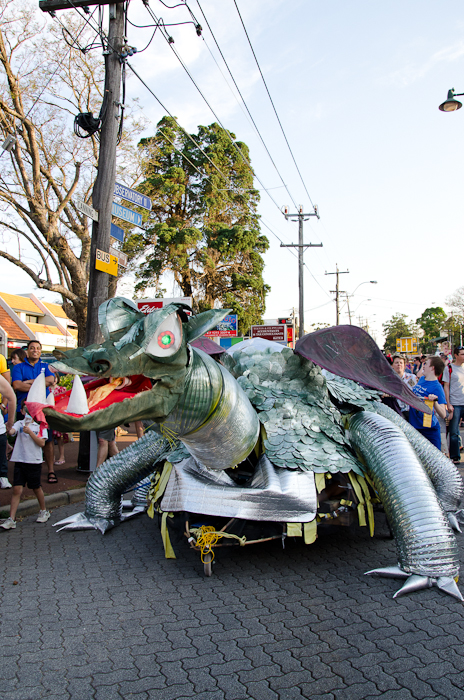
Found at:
[301, 248]
[337, 292]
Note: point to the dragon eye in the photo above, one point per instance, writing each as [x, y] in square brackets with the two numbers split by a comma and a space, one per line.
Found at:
[167, 338]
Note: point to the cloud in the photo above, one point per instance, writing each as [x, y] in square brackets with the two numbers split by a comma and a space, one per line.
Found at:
[410, 73]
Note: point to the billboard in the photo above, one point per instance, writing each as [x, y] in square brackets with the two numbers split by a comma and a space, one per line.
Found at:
[227, 328]
[276, 333]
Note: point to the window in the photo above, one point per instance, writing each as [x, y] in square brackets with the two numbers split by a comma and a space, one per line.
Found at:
[31, 319]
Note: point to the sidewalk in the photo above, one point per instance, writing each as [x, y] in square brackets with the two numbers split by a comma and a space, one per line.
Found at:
[69, 479]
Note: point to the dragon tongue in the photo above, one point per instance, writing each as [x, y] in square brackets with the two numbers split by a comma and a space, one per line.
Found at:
[78, 400]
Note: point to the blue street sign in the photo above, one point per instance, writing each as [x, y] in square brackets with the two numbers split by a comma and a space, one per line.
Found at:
[126, 214]
[117, 232]
[132, 196]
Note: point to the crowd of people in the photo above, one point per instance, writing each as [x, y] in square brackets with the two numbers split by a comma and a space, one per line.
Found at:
[439, 381]
[33, 446]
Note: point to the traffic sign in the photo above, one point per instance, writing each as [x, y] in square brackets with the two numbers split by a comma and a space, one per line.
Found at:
[132, 196]
[86, 209]
[276, 333]
[122, 257]
[105, 262]
[117, 232]
[126, 214]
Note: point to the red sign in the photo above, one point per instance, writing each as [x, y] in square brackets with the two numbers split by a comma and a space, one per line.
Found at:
[276, 333]
[146, 306]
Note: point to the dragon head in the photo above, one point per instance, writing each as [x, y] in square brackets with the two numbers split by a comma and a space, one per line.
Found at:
[140, 368]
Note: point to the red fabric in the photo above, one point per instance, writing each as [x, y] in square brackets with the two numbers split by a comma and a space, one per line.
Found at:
[139, 384]
[36, 411]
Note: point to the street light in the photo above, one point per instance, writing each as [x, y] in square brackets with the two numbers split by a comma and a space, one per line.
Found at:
[348, 296]
[450, 104]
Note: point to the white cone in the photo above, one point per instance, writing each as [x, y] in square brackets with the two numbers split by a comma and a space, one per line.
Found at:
[78, 400]
[37, 392]
[51, 399]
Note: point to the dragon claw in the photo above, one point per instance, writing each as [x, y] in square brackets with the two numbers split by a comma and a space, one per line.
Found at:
[79, 521]
[414, 582]
[453, 521]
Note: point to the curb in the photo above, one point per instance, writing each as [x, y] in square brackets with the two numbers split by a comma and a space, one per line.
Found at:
[53, 500]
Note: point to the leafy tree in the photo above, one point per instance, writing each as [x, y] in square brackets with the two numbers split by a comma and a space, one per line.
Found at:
[431, 321]
[397, 327]
[43, 83]
[456, 301]
[204, 225]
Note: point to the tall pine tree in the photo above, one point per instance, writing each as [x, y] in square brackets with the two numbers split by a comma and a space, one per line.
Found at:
[204, 225]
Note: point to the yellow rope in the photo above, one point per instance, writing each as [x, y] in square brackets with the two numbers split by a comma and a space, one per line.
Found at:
[207, 537]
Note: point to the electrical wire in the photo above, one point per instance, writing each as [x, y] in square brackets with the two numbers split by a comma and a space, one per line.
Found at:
[272, 103]
[194, 142]
[242, 98]
[234, 144]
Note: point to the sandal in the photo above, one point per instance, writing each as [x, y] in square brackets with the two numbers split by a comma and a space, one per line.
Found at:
[60, 461]
[52, 478]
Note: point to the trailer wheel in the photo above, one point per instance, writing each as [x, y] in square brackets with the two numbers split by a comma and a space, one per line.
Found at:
[207, 563]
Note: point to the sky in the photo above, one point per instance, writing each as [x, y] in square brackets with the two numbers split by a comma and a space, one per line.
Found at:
[357, 87]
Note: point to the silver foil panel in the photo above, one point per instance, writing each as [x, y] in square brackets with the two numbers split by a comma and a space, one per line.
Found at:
[443, 473]
[425, 542]
[277, 495]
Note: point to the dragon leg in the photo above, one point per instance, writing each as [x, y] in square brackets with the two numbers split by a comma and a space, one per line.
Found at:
[443, 474]
[103, 508]
[426, 547]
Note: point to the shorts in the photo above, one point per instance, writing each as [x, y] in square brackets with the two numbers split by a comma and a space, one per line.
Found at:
[108, 435]
[26, 474]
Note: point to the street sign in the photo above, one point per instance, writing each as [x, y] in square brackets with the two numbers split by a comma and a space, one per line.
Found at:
[106, 263]
[117, 232]
[227, 328]
[132, 196]
[86, 209]
[146, 306]
[122, 257]
[126, 214]
[276, 333]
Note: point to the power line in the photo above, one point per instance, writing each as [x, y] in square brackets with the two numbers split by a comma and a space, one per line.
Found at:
[243, 99]
[234, 144]
[272, 103]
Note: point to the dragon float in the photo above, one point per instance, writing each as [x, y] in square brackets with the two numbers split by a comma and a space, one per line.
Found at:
[268, 435]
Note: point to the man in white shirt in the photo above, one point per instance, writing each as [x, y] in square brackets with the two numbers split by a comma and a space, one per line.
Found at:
[453, 384]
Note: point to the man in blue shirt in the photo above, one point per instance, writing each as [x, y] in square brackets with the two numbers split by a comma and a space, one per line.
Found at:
[429, 388]
[24, 373]
[22, 378]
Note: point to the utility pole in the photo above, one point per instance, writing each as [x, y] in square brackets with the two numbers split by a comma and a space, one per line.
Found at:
[337, 292]
[103, 190]
[301, 248]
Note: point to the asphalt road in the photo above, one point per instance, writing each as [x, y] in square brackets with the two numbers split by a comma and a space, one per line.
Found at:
[86, 616]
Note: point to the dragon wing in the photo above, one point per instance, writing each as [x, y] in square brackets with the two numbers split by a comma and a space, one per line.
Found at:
[303, 428]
